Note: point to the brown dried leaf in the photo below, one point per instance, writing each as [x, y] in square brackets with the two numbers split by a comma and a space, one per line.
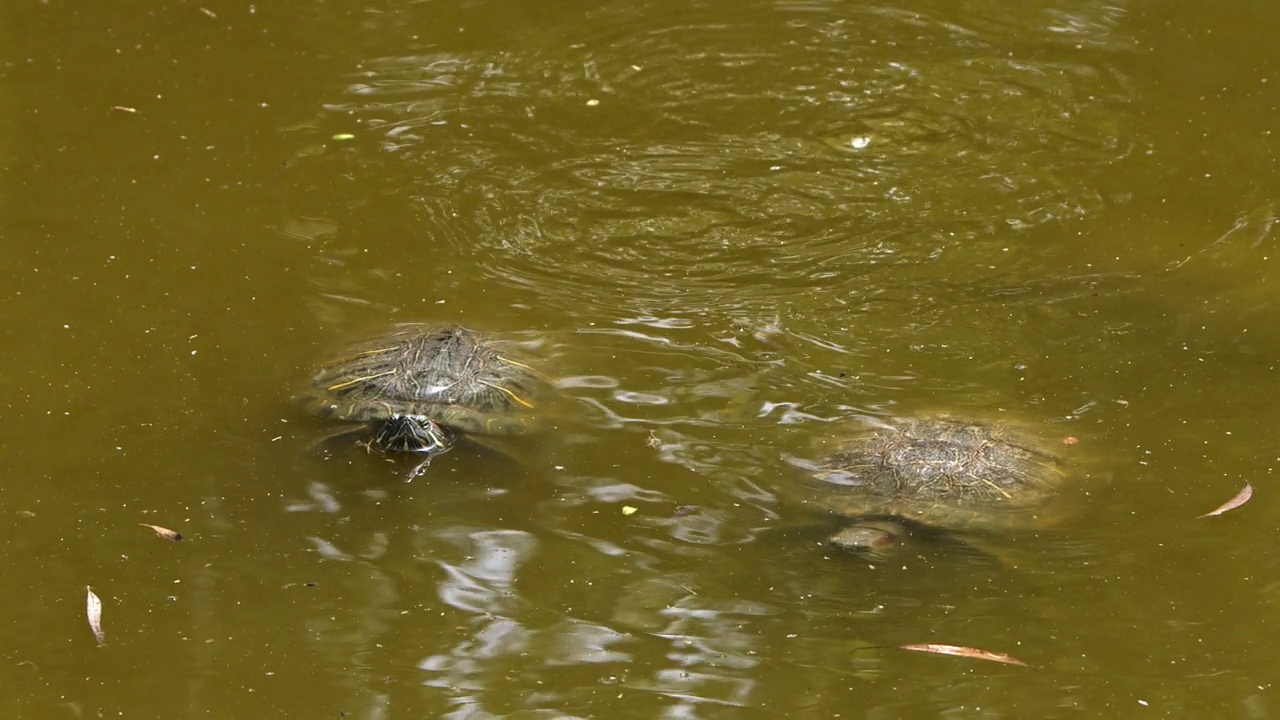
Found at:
[1241, 498]
[93, 610]
[164, 532]
[967, 652]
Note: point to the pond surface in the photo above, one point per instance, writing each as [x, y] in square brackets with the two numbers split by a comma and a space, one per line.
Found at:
[732, 230]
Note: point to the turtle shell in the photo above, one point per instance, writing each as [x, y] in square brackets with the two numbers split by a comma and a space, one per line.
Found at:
[944, 473]
[458, 378]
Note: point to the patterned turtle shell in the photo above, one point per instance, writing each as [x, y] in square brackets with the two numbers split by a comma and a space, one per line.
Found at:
[457, 378]
[944, 473]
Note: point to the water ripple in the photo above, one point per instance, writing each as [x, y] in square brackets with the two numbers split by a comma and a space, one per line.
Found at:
[676, 163]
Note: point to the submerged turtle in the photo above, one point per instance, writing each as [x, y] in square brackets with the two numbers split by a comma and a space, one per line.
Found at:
[938, 475]
[413, 388]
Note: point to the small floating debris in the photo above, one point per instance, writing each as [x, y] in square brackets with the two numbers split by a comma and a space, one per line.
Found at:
[343, 137]
[967, 652]
[1241, 498]
[163, 532]
[628, 510]
[93, 610]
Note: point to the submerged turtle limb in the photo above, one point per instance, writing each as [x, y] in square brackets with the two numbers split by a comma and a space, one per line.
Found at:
[887, 539]
[876, 539]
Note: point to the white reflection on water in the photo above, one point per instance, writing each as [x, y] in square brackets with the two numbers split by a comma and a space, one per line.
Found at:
[711, 650]
[500, 635]
[321, 499]
[482, 582]
[671, 635]
[464, 665]
[573, 642]
[480, 585]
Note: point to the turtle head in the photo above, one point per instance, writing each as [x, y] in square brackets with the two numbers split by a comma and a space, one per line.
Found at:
[412, 433]
[877, 539]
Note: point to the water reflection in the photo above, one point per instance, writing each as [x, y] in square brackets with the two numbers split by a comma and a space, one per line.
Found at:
[504, 630]
[712, 656]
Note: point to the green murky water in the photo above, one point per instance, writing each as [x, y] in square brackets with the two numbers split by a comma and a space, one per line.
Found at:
[729, 227]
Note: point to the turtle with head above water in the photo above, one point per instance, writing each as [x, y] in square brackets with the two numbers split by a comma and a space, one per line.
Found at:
[414, 388]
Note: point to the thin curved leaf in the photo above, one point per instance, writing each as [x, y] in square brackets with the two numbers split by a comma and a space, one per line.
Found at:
[966, 652]
[1241, 498]
[163, 532]
[93, 610]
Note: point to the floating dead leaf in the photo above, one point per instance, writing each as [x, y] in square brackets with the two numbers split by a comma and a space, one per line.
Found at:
[163, 532]
[628, 510]
[1241, 498]
[966, 652]
[93, 610]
